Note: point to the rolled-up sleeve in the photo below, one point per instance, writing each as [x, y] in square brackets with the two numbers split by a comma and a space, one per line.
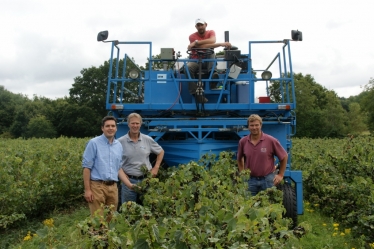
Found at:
[89, 155]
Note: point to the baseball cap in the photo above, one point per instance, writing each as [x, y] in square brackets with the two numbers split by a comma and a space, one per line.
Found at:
[200, 20]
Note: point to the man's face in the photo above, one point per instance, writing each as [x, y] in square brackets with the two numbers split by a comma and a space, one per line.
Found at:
[200, 28]
[109, 129]
[134, 125]
[255, 127]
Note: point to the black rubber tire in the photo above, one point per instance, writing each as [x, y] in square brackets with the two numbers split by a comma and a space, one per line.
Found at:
[289, 202]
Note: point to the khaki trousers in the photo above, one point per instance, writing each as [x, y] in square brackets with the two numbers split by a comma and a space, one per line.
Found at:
[103, 194]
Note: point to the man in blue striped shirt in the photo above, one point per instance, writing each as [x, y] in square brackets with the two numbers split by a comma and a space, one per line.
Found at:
[102, 167]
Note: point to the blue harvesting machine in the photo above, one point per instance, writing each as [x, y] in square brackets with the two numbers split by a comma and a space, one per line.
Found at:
[187, 128]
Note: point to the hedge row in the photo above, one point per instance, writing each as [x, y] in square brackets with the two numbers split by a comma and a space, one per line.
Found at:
[38, 175]
[338, 176]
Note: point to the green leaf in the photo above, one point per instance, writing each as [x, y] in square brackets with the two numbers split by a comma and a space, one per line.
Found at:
[181, 245]
[42, 233]
[231, 225]
[141, 243]
[221, 214]
[213, 240]
[155, 232]
[42, 245]
[252, 214]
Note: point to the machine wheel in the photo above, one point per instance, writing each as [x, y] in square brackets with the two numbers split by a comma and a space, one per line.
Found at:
[289, 202]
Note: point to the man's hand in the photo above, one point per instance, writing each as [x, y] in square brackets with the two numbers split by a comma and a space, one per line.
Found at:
[88, 195]
[155, 168]
[154, 171]
[192, 45]
[226, 44]
[136, 188]
[277, 179]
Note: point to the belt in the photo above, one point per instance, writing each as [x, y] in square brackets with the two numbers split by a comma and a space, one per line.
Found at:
[258, 177]
[137, 177]
[108, 183]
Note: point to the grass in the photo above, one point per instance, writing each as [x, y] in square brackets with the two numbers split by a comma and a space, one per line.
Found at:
[325, 232]
[64, 226]
[321, 232]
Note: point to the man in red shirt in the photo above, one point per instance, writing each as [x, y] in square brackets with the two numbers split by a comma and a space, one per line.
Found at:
[256, 152]
[202, 39]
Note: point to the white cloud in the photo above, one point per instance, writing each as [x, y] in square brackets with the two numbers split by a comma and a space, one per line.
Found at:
[46, 43]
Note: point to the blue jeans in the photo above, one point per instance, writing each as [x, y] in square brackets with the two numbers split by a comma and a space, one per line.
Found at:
[257, 184]
[128, 194]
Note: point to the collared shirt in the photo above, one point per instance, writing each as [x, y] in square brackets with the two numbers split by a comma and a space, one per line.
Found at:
[103, 158]
[259, 158]
[136, 154]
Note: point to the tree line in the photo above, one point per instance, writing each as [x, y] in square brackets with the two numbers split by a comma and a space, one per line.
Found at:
[322, 113]
[319, 112]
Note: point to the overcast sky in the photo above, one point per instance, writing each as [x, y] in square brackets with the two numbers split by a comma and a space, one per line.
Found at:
[46, 43]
